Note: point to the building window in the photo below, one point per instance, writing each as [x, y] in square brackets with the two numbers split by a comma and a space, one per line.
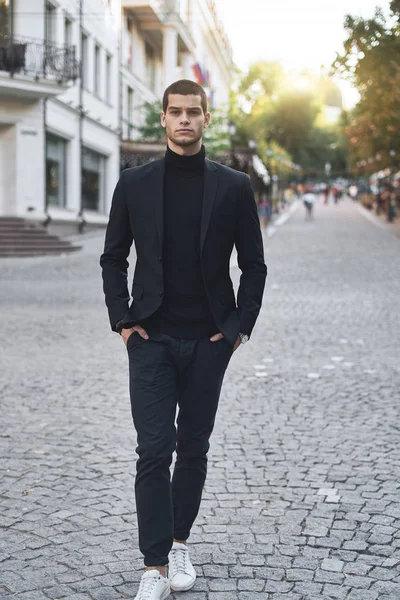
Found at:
[93, 180]
[108, 79]
[5, 19]
[97, 71]
[56, 167]
[51, 34]
[129, 116]
[84, 59]
[150, 66]
[67, 32]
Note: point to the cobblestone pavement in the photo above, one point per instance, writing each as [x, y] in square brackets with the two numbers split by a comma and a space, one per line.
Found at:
[302, 499]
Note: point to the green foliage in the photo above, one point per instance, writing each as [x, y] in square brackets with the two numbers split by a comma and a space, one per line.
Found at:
[283, 112]
[151, 130]
[216, 136]
[371, 60]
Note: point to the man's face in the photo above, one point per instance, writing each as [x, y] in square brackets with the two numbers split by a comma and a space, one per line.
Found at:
[184, 119]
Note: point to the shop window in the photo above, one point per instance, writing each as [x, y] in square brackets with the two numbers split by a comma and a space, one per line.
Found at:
[93, 180]
[5, 19]
[56, 165]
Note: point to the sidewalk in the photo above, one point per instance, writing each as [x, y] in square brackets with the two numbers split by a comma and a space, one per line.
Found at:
[302, 500]
[379, 220]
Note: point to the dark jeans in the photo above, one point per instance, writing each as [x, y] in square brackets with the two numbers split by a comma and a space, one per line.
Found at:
[167, 372]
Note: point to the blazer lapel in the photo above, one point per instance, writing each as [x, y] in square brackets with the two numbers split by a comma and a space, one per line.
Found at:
[155, 195]
[210, 192]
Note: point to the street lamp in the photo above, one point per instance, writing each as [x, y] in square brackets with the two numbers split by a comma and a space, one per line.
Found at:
[252, 144]
[232, 129]
[232, 132]
[392, 154]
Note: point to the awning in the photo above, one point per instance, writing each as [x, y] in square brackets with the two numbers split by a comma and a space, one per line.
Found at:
[261, 169]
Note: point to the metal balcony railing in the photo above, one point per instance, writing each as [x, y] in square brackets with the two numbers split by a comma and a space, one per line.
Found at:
[38, 59]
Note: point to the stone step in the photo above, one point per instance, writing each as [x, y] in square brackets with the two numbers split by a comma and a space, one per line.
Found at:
[15, 240]
[37, 251]
[20, 237]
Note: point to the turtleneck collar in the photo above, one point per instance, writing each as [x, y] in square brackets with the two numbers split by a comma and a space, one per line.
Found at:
[193, 163]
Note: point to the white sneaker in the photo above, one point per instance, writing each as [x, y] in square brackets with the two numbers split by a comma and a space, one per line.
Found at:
[153, 586]
[181, 573]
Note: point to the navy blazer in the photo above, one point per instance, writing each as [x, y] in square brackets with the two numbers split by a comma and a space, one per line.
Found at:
[229, 218]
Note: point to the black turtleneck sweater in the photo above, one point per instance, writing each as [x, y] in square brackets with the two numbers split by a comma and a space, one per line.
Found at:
[185, 311]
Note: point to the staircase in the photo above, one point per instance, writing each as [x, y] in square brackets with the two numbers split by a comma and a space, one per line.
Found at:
[20, 237]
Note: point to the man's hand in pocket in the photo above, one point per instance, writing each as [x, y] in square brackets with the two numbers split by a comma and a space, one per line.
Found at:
[126, 333]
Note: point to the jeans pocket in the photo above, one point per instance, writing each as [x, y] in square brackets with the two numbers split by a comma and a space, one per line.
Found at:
[131, 339]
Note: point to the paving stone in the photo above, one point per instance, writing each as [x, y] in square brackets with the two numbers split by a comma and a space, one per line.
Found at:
[335, 591]
[251, 585]
[363, 595]
[263, 529]
[332, 564]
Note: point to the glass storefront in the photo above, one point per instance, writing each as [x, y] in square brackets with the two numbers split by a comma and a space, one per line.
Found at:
[5, 19]
[56, 167]
[93, 180]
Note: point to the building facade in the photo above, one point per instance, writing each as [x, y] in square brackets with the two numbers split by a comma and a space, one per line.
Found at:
[59, 132]
[166, 40]
[74, 76]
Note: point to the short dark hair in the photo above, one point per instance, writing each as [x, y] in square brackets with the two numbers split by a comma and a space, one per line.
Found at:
[185, 87]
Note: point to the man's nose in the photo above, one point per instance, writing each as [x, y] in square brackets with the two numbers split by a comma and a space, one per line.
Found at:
[184, 118]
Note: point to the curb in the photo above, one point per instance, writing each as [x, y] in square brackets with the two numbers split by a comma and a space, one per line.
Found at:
[374, 220]
[271, 230]
[281, 220]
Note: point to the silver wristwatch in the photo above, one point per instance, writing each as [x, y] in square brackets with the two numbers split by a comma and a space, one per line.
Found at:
[243, 338]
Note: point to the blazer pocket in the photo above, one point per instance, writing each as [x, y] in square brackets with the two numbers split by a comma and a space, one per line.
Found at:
[137, 291]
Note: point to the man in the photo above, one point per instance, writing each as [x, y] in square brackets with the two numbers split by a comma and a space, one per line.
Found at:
[185, 213]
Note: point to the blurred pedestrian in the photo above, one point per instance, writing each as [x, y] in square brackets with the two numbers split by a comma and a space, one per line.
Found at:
[353, 192]
[184, 213]
[392, 204]
[308, 201]
[288, 195]
[264, 211]
[336, 192]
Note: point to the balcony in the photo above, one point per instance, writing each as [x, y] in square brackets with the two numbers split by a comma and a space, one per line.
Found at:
[149, 13]
[154, 15]
[34, 68]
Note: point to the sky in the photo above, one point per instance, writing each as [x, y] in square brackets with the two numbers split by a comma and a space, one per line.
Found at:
[297, 33]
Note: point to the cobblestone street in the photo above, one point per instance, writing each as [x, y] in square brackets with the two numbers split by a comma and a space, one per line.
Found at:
[302, 499]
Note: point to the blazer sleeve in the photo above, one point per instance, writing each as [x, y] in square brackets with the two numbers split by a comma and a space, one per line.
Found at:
[114, 261]
[250, 250]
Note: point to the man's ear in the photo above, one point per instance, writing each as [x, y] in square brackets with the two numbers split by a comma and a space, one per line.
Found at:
[207, 119]
[163, 123]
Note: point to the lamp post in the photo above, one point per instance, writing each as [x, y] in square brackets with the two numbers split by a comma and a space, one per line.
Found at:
[392, 202]
[392, 154]
[269, 153]
[232, 132]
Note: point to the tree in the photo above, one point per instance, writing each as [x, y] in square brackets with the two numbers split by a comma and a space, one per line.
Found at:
[151, 130]
[216, 137]
[371, 60]
[282, 110]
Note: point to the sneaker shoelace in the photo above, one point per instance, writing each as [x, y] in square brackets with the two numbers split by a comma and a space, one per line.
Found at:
[146, 588]
[179, 557]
